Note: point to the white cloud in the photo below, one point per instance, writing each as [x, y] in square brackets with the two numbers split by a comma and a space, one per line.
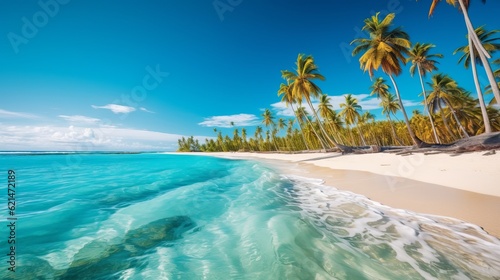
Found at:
[225, 121]
[10, 114]
[145, 110]
[115, 108]
[80, 119]
[280, 109]
[411, 103]
[75, 138]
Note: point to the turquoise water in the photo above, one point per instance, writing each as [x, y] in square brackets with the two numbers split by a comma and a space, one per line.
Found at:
[157, 216]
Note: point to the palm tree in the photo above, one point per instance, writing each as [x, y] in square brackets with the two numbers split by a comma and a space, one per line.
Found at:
[445, 91]
[289, 99]
[236, 138]
[244, 137]
[280, 125]
[385, 48]
[474, 41]
[305, 88]
[258, 133]
[351, 114]
[424, 63]
[379, 88]
[326, 111]
[268, 120]
[390, 106]
[489, 44]
[365, 119]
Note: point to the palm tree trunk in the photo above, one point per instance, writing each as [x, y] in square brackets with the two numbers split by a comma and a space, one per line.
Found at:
[335, 134]
[412, 135]
[322, 129]
[457, 120]
[394, 130]
[486, 119]
[445, 122]
[361, 134]
[274, 142]
[352, 137]
[427, 105]
[300, 125]
[315, 133]
[483, 54]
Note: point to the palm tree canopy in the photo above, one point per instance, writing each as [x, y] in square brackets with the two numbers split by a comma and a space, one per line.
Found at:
[390, 104]
[490, 44]
[385, 48]
[325, 108]
[366, 117]
[350, 110]
[451, 2]
[497, 72]
[445, 91]
[379, 88]
[281, 123]
[268, 118]
[421, 59]
[286, 90]
[301, 80]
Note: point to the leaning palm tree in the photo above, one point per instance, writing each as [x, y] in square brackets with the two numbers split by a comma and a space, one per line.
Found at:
[289, 99]
[268, 120]
[424, 63]
[390, 106]
[258, 134]
[379, 88]
[368, 118]
[350, 113]
[445, 91]
[385, 48]
[244, 137]
[305, 88]
[473, 58]
[280, 125]
[326, 111]
[474, 41]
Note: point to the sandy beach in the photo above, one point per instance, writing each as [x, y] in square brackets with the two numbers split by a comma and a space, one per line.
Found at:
[464, 186]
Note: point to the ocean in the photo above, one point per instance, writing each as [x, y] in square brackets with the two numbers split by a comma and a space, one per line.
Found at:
[163, 216]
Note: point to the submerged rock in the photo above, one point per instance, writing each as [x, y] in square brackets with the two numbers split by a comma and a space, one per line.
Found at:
[168, 229]
[98, 259]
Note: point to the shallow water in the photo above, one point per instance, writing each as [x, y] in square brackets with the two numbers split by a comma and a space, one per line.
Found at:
[156, 216]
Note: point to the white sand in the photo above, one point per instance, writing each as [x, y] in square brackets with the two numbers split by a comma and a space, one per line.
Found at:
[471, 172]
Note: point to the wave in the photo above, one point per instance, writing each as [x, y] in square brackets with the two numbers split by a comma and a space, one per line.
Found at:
[426, 245]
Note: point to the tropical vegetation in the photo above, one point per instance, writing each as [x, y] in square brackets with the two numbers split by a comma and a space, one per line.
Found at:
[450, 112]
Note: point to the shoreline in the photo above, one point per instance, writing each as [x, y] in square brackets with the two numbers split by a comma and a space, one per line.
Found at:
[393, 180]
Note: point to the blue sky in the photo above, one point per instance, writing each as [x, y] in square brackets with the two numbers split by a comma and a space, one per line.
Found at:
[136, 75]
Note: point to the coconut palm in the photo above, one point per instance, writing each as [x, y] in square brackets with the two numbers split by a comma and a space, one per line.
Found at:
[258, 133]
[474, 41]
[379, 88]
[365, 119]
[326, 111]
[390, 105]
[491, 45]
[445, 91]
[424, 63]
[268, 121]
[385, 48]
[303, 86]
[287, 96]
[350, 113]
